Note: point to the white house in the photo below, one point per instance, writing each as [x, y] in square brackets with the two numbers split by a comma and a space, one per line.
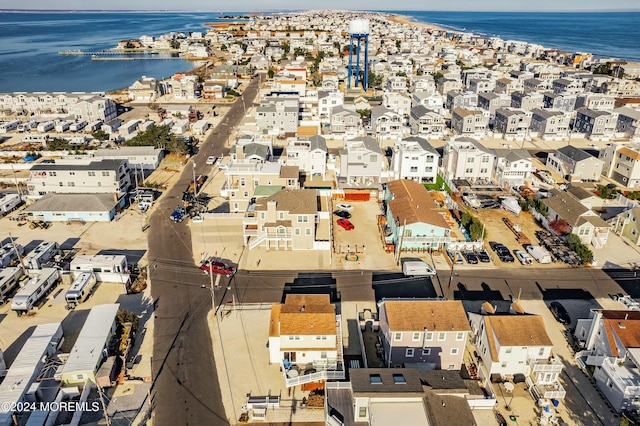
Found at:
[466, 158]
[415, 159]
[309, 154]
[513, 167]
[612, 347]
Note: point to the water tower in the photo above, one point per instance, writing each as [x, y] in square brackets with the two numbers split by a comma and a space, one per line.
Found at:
[359, 31]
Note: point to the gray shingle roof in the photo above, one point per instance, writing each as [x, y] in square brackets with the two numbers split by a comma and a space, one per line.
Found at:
[575, 153]
[94, 165]
[73, 203]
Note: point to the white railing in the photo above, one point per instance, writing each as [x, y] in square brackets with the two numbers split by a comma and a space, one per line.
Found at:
[338, 385]
[250, 232]
[257, 241]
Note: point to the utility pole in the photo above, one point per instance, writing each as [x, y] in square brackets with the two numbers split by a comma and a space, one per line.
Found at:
[104, 407]
[13, 243]
[195, 184]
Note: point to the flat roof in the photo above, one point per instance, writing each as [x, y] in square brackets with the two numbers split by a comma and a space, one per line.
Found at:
[25, 367]
[409, 413]
[88, 348]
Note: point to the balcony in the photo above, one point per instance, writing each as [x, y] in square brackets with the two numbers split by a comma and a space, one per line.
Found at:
[550, 365]
[326, 369]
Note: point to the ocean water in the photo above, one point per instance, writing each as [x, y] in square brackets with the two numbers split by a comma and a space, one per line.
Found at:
[607, 35]
[29, 45]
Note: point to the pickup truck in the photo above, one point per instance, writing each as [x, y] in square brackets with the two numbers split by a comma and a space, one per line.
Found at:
[178, 214]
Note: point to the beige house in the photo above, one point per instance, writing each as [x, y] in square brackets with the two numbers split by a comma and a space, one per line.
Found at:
[468, 122]
[243, 176]
[287, 220]
[145, 89]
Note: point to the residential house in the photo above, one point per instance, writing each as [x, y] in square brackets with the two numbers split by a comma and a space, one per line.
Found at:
[574, 164]
[345, 122]
[243, 177]
[596, 102]
[80, 207]
[182, 86]
[290, 85]
[213, 90]
[414, 221]
[518, 344]
[415, 159]
[147, 89]
[425, 122]
[398, 102]
[83, 106]
[286, 220]
[309, 154]
[584, 222]
[277, 118]
[305, 331]
[429, 334]
[508, 86]
[513, 167]
[549, 124]
[527, 101]
[330, 81]
[622, 163]
[628, 122]
[469, 122]
[627, 225]
[456, 99]
[466, 158]
[564, 102]
[386, 122]
[596, 125]
[360, 163]
[102, 176]
[382, 396]
[327, 101]
[396, 83]
[512, 123]
[535, 85]
[611, 342]
[260, 62]
[491, 101]
[567, 86]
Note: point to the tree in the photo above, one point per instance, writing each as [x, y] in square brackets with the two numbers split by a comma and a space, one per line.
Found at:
[286, 47]
[466, 219]
[375, 80]
[270, 73]
[541, 207]
[159, 137]
[574, 243]
[58, 144]
[476, 230]
[100, 135]
[560, 226]
[437, 76]
[364, 113]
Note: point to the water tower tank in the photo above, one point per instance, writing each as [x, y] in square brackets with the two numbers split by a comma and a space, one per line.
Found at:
[359, 26]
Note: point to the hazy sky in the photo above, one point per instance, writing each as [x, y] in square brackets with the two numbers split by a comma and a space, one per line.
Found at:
[256, 5]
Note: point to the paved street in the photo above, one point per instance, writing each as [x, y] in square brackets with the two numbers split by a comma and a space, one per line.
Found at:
[185, 388]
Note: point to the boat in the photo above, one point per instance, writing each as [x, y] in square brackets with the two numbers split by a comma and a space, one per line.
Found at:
[511, 204]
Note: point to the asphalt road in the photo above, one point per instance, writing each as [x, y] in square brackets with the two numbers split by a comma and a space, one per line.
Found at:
[185, 389]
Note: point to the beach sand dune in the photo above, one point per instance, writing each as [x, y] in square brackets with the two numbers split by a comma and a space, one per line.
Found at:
[407, 20]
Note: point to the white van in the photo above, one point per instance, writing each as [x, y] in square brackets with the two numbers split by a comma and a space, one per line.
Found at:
[417, 268]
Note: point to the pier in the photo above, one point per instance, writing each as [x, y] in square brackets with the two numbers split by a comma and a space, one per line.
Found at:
[138, 58]
[116, 52]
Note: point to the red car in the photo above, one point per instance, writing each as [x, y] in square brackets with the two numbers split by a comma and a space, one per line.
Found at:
[217, 268]
[346, 224]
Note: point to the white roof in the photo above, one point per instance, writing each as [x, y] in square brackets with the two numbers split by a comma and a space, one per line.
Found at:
[26, 367]
[88, 348]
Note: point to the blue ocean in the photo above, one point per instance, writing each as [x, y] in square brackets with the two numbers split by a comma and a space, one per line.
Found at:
[29, 42]
[605, 34]
[29, 45]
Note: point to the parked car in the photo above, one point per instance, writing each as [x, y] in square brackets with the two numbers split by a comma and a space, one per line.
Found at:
[345, 206]
[343, 214]
[470, 257]
[217, 267]
[523, 257]
[455, 257]
[211, 160]
[346, 224]
[483, 256]
[559, 312]
[178, 214]
[502, 251]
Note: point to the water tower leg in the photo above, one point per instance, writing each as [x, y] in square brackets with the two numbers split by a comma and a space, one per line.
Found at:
[365, 82]
[350, 63]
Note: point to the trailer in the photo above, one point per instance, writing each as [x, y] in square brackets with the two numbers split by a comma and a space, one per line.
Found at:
[36, 138]
[9, 280]
[10, 253]
[40, 255]
[62, 126]
[9, 202]
[106, 267]
[47, 126]
[9, 126]
[80, 289]
[38, 286]
[76, 127]
[539, 254]
[25, 127]
[94, 126]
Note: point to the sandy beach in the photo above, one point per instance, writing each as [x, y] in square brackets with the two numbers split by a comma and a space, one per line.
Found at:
[406, 20]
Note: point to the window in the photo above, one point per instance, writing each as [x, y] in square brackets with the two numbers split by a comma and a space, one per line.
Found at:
[454, 351]
[508, 350]
[399, 379]
[469, 170]
[373, 158]
[414, 169]
[375, 379]
[460, 336]
[428, 336]
[442, 336]
[281, 215]
[91, 173]
[71, 184]
[416, 336]
[262, 215]
[426, 351]
[397, 336]
[281, 230]
[409, 352]
[504, 364]
[104, 173]
[74, 173]
[470, 160]
[52, 173]
[296, 231]
[303, 219]
[362, 412]
[541, 352]
[485, 158]
[307, 232]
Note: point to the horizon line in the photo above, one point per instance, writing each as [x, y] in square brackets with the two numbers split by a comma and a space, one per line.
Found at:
[27, 10]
